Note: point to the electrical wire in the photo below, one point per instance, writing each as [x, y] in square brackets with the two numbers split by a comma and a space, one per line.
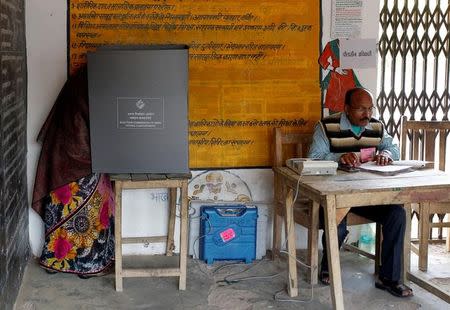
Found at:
[195, 257]
[227, 279]
[289, 229]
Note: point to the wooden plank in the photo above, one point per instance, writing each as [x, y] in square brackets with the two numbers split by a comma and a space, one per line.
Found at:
[357, 250]
[445, 224]
[118, 236]
[170, 245]
[334, 264]
[136, 177]
[404, 135]
[183, 235]
[440, 208]
[156, 176]
[415, 248]
[151, 272]
[429, 144]
[365, 198]
[395, 196]
[424, 228]
[290, 232]
[123, 176]
[417, 125]
[430, 241]
[341, 213]
[442, 149]
[152, 239]
[151, 184]
[313, 241]
[430, 287]
[415, 145]
[278, 148]
[182, 176]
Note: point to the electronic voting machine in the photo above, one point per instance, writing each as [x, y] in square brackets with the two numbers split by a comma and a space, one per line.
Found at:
[309, 166]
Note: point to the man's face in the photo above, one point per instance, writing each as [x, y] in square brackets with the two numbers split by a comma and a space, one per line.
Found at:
[360, 109]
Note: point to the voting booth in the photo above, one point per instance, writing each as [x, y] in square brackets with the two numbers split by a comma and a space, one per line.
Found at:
[138, 105]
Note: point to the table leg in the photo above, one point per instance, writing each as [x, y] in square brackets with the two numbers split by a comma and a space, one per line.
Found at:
[313, 238]
[424, 231]
[276, 230]
[183, 235]
[290, 229]
[407, 243]
[333, 253]
[118, 236]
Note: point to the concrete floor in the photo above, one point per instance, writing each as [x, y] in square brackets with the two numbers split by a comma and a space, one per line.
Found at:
[64, 291]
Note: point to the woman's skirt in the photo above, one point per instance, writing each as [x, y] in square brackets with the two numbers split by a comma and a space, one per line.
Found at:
[79, 227]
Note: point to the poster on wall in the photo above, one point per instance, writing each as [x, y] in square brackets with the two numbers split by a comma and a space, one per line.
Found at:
[346, 18]
[252, 65]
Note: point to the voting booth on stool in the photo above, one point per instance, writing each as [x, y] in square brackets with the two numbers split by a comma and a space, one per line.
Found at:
[138, 103]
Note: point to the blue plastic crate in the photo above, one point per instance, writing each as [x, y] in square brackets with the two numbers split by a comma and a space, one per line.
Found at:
[228, 232]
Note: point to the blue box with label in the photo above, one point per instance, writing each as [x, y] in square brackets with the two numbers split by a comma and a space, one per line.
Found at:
[228, 232]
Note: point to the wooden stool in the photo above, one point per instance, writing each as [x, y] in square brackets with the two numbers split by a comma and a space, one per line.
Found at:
[149, 181]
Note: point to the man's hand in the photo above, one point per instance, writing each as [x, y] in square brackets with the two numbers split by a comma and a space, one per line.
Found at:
[350, 159]
[382, 159]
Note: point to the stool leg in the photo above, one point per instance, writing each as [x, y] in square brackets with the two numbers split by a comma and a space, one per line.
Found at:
[170, 245]
[118, 236]
[183, 235]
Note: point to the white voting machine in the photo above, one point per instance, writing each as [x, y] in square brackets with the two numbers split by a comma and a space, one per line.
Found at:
[308, 166]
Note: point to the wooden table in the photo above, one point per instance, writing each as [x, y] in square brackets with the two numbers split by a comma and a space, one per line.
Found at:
[340, 192]
[149, 181]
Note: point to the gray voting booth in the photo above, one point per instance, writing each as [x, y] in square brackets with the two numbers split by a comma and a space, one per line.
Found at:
[138, 106]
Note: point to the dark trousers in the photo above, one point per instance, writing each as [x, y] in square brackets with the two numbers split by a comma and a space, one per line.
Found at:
[393, 221]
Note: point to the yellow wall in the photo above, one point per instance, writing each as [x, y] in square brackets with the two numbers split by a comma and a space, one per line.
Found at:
[253, 65]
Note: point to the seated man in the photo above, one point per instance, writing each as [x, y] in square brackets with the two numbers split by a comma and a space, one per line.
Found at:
[340, 137]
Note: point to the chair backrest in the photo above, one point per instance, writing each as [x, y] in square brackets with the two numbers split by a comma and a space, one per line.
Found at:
[425, 140]
[289, 145]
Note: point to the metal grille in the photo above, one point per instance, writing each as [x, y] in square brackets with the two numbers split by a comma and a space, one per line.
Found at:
[414, 64]
[414, 61]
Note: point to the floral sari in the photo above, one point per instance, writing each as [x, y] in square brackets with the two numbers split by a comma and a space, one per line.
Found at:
[79, 227]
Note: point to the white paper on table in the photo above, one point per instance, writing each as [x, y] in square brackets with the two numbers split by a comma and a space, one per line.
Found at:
[413, 163]
[388, 169]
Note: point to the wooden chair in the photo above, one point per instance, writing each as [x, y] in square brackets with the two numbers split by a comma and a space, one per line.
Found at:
[290, 145]
[427, 140]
